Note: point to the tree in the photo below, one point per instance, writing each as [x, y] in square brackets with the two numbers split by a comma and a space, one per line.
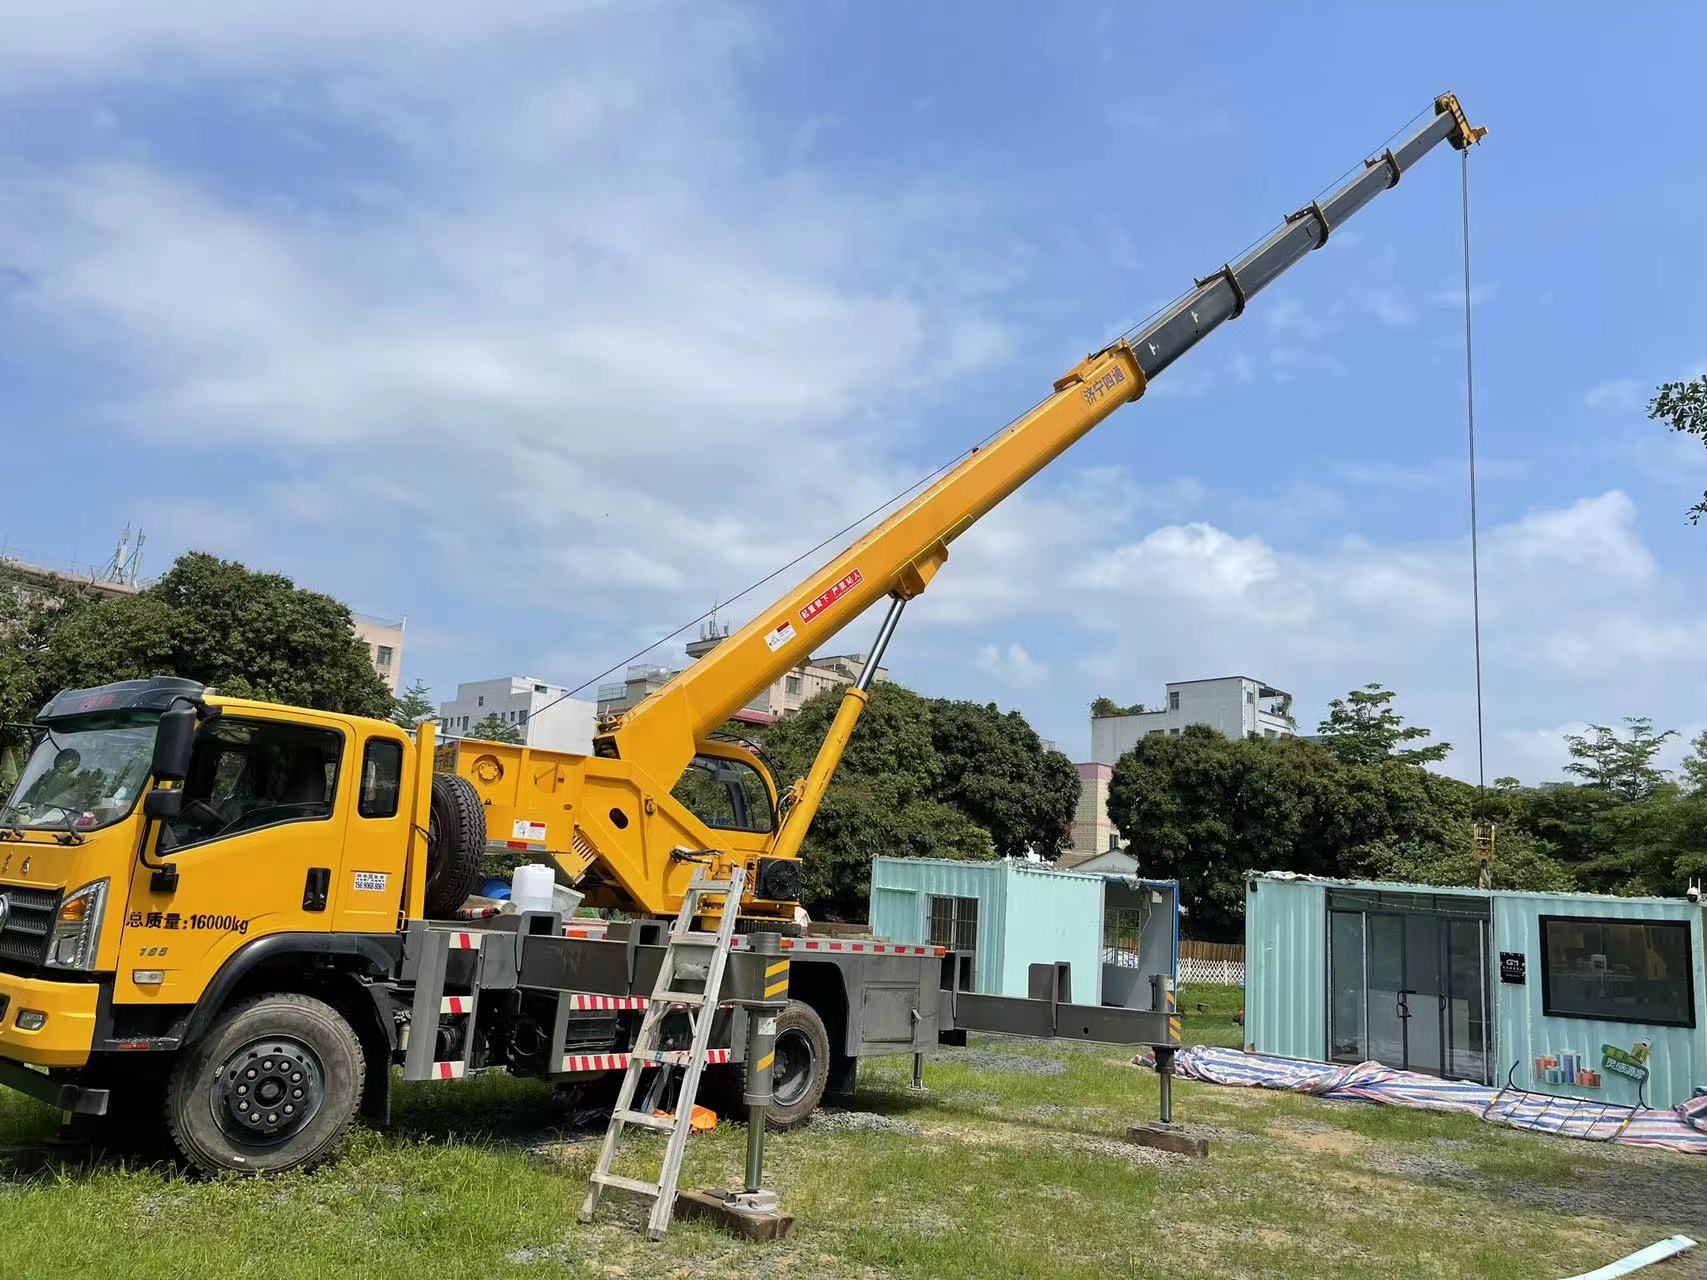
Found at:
[1363, 728]
[1623, 765]
[1520, 862]
[881, 802]
[1695, 766]
[413, 705]
[994, 769]
[1102, 707]
[494, 728]
[244, 633]
[1682, 406]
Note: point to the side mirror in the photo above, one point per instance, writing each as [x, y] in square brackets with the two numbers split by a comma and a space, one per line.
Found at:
[173, 742]
[163, 806]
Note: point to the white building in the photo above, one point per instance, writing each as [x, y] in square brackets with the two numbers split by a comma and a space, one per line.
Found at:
[1237, 706]
[541, 713]
[384, 640]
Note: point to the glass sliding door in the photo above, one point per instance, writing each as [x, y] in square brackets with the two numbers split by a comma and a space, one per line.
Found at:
[1466, 999]
[1346, 989]
[1386, 995]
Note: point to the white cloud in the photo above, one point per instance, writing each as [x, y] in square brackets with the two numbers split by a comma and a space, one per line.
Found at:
[1621, 394]
[1010, 664]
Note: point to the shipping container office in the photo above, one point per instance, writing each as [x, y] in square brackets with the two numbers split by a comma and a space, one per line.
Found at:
[1001, 918]
[1575, 994]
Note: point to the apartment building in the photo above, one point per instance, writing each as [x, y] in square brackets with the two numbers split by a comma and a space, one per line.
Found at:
[1237, 706]
[543, 714]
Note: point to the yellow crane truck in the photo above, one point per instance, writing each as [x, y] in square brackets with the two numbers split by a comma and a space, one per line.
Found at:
[241, 915]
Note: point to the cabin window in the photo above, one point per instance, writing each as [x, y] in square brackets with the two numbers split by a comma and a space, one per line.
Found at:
[1617, 970]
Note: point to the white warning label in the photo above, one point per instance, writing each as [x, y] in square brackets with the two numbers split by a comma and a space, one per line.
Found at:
[781, 635]
[522, 829]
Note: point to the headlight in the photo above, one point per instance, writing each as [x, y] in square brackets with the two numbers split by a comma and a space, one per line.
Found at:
[77, 927]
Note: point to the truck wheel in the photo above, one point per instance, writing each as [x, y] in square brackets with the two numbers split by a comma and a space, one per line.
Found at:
[802, 1068]
[274, 1085]
[456, 844]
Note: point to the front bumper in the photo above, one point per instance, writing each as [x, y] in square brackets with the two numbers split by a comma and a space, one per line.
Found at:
[64, 1040]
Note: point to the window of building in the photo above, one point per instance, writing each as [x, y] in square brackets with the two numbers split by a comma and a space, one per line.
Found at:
[539, 688]
[521, 717]
[1251, 697]
[480, 700]
[1122, 932]
[382, 778]
[791, 684]
[1269, 733]
[726, 794]
[382, 655]
[1617, 970]
[953, 923]
[249, 774]
[1154, 732]
[1173, 699]
[465, 722]
[1175, 732]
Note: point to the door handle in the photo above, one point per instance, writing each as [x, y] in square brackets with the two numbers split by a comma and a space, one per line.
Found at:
[316, 888]
[1404, 1005]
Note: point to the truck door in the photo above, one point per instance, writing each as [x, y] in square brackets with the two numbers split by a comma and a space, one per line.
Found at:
[256, 848]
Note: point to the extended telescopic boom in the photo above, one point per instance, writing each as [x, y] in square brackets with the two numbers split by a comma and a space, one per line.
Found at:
[899, 557]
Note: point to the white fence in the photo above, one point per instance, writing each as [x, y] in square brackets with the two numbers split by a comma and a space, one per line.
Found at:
[1214, 972]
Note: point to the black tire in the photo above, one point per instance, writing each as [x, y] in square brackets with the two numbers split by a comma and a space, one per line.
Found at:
[274, 1085]
[802, 1070]
[456, 845]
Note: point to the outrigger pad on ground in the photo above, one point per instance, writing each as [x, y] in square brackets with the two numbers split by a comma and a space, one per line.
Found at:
[1166, 1137]
[721, 1207]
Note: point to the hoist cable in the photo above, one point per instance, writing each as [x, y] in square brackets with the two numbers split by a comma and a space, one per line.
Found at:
[1470, 423]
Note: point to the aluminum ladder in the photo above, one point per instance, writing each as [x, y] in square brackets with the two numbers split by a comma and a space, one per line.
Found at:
[690, 957]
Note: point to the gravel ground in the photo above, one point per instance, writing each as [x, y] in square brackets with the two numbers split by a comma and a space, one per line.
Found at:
[860, 1122]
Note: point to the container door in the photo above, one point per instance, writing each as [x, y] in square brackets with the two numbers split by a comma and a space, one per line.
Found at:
[1346, 1039]
[1387, 1007]
[1466, 1000]
[1424, 1005]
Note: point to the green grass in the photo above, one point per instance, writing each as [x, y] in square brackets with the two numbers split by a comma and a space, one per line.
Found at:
[993, 1170]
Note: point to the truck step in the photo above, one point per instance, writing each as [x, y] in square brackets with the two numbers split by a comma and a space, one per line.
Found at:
[635, 1185]
[663, 1124]
[693, 938]
[692, 999]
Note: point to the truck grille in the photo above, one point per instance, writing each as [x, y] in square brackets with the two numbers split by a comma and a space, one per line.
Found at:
[28, 923]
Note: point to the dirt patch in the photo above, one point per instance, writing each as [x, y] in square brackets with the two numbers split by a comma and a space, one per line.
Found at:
[1323, 1141]
[1421, 1166]
[1667, 1199]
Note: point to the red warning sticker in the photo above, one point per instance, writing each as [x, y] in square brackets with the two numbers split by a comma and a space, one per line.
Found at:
[836, 591]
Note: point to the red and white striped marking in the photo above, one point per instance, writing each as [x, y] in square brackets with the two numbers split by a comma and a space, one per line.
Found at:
[584, 1002]
[465, 941]
[595, 933]
[854, 948]
[448, 1070]
[619, 1061]
[457, 1004]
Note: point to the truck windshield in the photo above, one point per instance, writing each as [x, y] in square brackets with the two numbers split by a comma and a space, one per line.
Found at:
[82, 774]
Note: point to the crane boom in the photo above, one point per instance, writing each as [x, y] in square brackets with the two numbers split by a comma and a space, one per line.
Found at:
[899, 556]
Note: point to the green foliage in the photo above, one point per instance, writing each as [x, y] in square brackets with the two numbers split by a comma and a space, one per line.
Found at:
[494, 728]
[995, 770]
[245, 633]
[1205, 809]
[1521, 862]
[921, 777]
[1623, 765]
[1695, 764]
[1363, 728]
[413, 705]
[1682, 406]
[1103, 707]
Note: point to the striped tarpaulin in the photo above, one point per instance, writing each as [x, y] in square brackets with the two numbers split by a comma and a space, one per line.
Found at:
[1683, 1128]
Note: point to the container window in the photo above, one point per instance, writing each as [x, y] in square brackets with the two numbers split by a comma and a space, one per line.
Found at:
[1617, 970]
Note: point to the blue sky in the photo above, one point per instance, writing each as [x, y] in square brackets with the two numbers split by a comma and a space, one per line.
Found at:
[549, 326]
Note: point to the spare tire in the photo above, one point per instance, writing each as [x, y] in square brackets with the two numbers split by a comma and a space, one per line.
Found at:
[456, 843]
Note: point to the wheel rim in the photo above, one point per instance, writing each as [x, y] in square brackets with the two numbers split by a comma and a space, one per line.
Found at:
[796, 1059]
[268, 1090]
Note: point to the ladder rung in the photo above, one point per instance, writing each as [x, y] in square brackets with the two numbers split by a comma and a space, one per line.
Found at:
[663, 1124]
[627, 1184]
[693, 998]
[711, 886]
[661, 1057]
[693, 938]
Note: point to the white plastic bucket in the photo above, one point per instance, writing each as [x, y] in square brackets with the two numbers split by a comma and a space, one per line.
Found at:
[530, 887]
